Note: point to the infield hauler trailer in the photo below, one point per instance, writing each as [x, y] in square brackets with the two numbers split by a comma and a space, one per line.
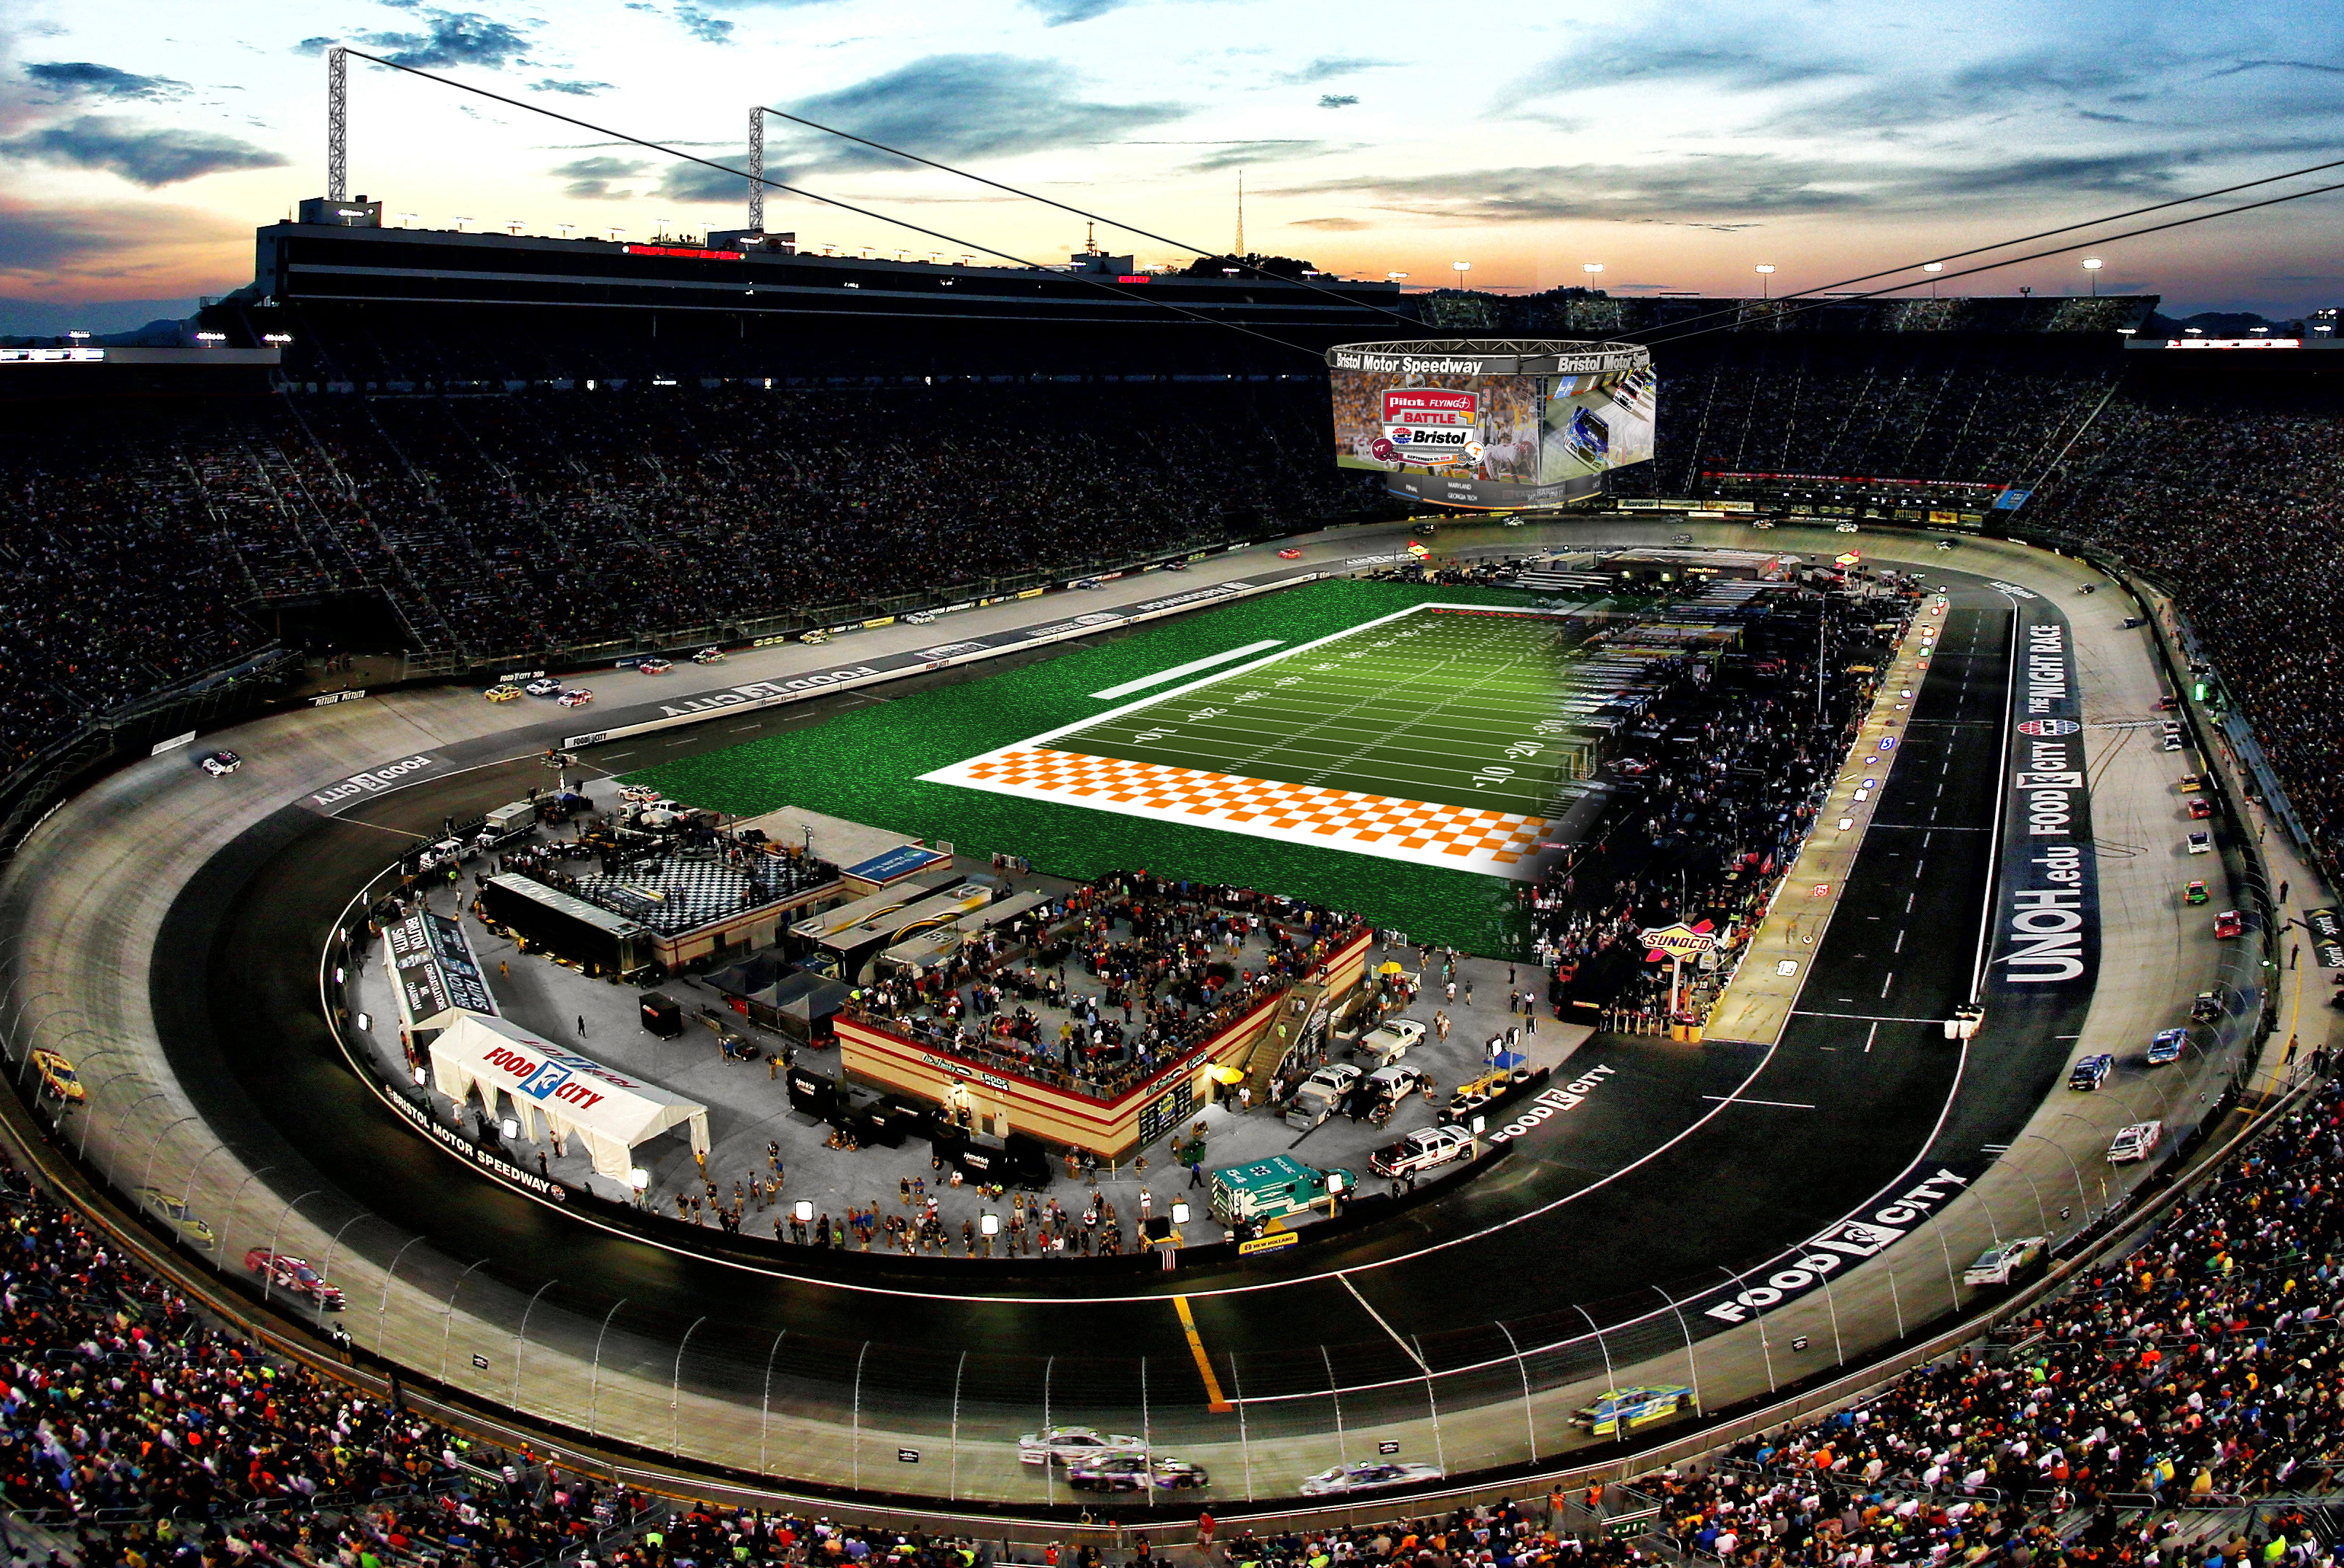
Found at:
[567, 927]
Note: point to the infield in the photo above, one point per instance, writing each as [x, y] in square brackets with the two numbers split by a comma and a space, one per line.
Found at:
[1432, 733]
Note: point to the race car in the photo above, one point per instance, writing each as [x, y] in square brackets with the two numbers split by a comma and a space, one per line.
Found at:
[2168, 703]
[2135, 1142]
[178, 1217]
[709, 656]
[502, 692]
[1949, 544]
[2092, 1071]
[2192, 783]
[292, 1274]
[816, 636]
[576, 697]
[1681, 538]
[1066, 1444]
[1290, 555]
[654, 666]
[1130, 1473]
[2166, 1046]
[2199, 842]
[1380, 1476]
[1426, 1149]
[1845, 528]
[220, 765]
[543, 686]
[58, 1077]
[919, 618]
[2207, 1008]
[2169, 744]
[2006, 1262]
[1619, 1410]
[2229, 923]
[2199, 808]
[2194, 893]
[1631, 767]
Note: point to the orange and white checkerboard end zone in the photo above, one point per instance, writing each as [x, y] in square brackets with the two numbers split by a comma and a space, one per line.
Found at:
[1488, 841]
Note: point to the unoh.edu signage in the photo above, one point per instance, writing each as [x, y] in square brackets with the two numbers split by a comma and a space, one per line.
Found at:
[2048, 919]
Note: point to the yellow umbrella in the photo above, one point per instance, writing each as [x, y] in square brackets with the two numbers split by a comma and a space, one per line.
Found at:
[1223, 1073]
[1390, 968]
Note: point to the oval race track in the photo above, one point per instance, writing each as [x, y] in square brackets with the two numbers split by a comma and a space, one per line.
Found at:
[166, 929]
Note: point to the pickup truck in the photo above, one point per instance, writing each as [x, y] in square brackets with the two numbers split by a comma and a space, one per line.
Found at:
[1320, 1093]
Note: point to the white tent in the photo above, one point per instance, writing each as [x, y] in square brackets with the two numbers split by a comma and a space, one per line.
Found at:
[578, 1098]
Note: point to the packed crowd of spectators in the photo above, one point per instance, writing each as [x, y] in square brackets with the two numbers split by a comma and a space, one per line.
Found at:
[120, 1407]
[2203, 1368]
[147, 544]
[1173, 964]
[1726, 777]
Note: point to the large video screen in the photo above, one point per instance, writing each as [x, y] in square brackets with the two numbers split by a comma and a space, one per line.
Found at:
[1492, 425]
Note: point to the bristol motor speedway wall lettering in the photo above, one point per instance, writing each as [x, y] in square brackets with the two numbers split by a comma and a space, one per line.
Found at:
[2047, 919]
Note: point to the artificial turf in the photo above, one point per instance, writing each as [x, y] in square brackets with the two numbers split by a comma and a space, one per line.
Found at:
[864, 764]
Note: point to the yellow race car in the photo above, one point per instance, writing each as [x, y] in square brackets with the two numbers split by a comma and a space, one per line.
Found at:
[58, 1077]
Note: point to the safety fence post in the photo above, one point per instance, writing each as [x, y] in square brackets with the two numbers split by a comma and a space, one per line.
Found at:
[1529, 1416]
[521, 1341]
[594, 1384]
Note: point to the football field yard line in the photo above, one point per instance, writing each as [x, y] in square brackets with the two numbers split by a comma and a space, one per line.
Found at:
[1190, 668]
[1460, 695]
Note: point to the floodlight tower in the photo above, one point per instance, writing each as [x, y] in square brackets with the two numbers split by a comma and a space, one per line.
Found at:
[337, 125]
[757, 169]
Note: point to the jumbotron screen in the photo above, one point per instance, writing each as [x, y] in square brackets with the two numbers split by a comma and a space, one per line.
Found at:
[1492, 423]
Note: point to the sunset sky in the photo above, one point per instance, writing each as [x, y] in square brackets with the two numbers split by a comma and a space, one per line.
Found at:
[142, 141]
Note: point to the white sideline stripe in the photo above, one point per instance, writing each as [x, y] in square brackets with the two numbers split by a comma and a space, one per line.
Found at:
[1157, 679]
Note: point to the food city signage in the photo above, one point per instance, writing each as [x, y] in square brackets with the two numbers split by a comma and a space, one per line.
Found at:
[1553, 1102]
[2327, 936]
[556, 1077]
[2050, 913]
[963, 1070]
[1855, 1239]
[373, 781]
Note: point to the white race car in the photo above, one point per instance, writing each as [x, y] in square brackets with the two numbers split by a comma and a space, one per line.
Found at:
[220, 765]
[1374, 1477]
[543, 686]
[1066, 1444]
[576, 697]
[919, 617]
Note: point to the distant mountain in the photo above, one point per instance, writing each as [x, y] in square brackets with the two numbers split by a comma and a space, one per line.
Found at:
[48, 318]
[2220, 324]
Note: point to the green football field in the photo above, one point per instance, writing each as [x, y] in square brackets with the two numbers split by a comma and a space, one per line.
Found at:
[866, 762]
[1445, 703]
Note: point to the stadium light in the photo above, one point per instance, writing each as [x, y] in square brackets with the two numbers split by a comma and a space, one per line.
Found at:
[277, 337]
[614, 234]
[1765, 280]
[989, 1223]
[407, 220]
[1394, 277]
[460, 223]
[512, 227]
[1933, 269]
[211, 337]
[76, 334]
[1591, 267]
[1461, 268]
[2091, 265]
[1180, 1211]
[802, 1213]
[565, 229]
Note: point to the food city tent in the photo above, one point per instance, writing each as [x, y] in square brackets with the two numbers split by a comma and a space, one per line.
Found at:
[577, 1098]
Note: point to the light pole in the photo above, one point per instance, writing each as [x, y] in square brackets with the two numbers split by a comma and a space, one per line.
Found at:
[1591, 269]
[1933, 269]
[1765, 280]
[2091, 271]
[1461, 268]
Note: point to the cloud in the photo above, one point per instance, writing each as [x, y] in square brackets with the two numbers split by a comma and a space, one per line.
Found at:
[1244, 155]
[1713, 59]
[702, 26]
[1327, 69]
[590, 177]
[1058, 13]
[146, 157]
[2317, 66]
[86, 78]
[575, 89]
[117, 251]
[1728, 190]
[1331, 225]
[451, 38]
[956, 106]
[1338, 100]
[698, 182]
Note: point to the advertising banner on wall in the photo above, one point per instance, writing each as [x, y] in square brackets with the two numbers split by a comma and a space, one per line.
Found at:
[1492, 425]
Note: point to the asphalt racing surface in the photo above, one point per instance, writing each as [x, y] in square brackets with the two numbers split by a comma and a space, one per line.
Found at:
[1682, 1168]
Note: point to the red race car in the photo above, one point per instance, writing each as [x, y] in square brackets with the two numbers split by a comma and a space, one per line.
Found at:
[295, 1276]
[2228, 924]
[1290, 555]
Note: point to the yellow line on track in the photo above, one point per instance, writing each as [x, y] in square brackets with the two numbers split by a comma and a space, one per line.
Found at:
[1215, 1402]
